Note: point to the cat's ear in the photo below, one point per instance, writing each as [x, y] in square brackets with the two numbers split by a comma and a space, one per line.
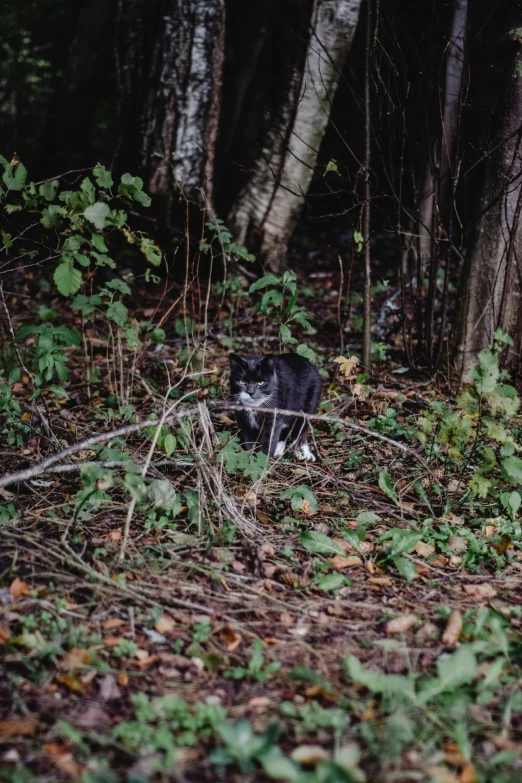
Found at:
[269, 363]
[236, 362]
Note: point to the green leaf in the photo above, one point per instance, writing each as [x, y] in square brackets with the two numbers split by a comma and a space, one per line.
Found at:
[304, 350]
[480, 486]
[88, 188]
[367, 518]
[405, 567]
[132, 187]
[485, 374]
[58, 390]
[151, 251]
[14, 177]
[512, 470]
[297, 494]
[511, 502]
[319, 543]
[331, 582]
[331, 166]
[169, 444]
[52, 216]
[117, 312]
[97, 214]
[86, 304]
[98, 243]
[163, 495]
[379, 683]
[68, 279]
[49, 189]
[264, 282]
[285, 333]
[280, 767]
[455, 670]
[387, 487]
[102, 176]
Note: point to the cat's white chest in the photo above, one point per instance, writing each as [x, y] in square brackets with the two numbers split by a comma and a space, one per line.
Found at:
[252, 418]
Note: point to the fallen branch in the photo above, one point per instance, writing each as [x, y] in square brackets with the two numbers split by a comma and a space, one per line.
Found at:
[129, 429]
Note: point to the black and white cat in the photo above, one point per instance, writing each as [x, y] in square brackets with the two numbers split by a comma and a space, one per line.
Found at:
[287, 382]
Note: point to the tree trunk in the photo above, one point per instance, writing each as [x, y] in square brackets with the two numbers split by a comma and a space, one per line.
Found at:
[183, 89]
[267, 209]
[491, 291]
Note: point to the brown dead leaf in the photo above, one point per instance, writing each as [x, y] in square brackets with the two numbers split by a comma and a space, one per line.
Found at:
[311, 755]
[145, 661]
[230, 638]
[491, 531]
[400, 624]
[263, 518]
[260, 701]
[482, 590]
[70, 682]
[440, 774]
[468, 774]
[453, 629]
[348, 367]
[75, 659]
[266, 550]
[439, 562]
[112, 641]
[424, 550]
[339, 562]
[19, 588]
[123, 679]
[17, 727]
[112, 622]
[384, 581]
[305, 506]
[115, 535]
[63, 759]
[165, 624]
[287, 619]
[5, 633]
[458, 543]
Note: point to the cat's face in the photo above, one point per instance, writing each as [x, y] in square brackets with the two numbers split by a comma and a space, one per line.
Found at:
[253, 380]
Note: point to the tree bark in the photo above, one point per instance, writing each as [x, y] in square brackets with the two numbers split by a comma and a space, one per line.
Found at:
[267, 209]
[492, 290]
[181, 110]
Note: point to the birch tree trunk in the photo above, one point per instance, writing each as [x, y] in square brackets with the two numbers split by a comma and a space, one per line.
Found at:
[267, 209]
[181, 110]
[491, 294]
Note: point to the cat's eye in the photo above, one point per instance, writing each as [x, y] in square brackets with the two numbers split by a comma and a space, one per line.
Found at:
[261, 383]
[242, 383]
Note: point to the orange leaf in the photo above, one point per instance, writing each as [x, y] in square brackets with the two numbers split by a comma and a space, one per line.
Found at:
[384, 581]
[62, 758]
[75, 659]
[17, 727]
[468, 774]
[230, 638]
[72, 683]
[123, 679]
[5, 633]
[400, 624]
[19, 588]
[165, 624]
[339, 562]
[453, 629]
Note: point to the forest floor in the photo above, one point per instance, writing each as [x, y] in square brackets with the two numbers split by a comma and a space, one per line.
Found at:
[357, 618]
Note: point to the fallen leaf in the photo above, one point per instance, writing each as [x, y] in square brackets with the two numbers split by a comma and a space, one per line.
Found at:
[115, 535]
[491, 531]
[112, 622]
[384, 581]
[123, 679]
[109, 690]
[75, 658]
[17, 727]
[165, 624]
[5, 633]
[310, 755]
[468, 773]
[266, 550]
[423, 634]
[339, 562]
[230, 638]
[70, 681]
[260, 701]
[63, 759]
[440, 774]
[400, 624]
[145, 661]
[439, 562]
[458, 543]
[481, 590]
[19, 588]
[453, 629]
[91, 716]
[263, 518]
[424, 550]
[305, 506]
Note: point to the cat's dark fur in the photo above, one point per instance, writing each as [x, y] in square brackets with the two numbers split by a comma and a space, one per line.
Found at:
[287, 382]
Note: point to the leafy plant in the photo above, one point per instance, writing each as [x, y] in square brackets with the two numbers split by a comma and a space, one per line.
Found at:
[279, 305]
[256, 669]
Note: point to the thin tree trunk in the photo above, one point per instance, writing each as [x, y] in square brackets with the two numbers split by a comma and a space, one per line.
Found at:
[367, 302]
[181, 110]
[267, 209]
[491, 290]
[440, 173]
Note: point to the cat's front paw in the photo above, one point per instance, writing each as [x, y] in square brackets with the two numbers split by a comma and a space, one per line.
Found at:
[304, 454]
